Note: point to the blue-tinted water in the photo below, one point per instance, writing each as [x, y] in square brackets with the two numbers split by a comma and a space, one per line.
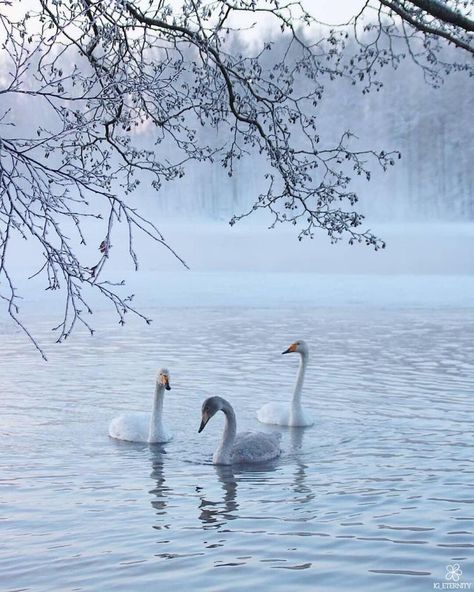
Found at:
[378, 495]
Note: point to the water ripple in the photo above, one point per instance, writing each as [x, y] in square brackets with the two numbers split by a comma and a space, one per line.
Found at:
[376, 496]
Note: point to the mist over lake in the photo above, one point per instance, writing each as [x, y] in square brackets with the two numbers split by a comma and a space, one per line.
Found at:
[225, 407]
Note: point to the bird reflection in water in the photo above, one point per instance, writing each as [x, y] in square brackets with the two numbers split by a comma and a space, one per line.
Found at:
[161, 490]
[300, 486]
[215, 513]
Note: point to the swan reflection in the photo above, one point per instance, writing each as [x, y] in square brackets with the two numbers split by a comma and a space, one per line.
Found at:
[213, 513]
[296, 439]
[160, 491]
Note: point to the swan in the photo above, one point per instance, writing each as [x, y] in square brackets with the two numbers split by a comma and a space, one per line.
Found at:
[142, 427]
[294, 415]
[246, 447]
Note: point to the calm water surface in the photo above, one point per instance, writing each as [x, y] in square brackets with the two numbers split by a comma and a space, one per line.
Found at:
[377, 495]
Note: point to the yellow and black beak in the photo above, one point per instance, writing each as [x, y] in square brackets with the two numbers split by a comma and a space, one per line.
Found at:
[166, 382]
[205, 418]
[290, 350]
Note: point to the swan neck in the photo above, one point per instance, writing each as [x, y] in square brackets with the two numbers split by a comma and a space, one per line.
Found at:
[156, 425]
[296, 402]
[223, 454]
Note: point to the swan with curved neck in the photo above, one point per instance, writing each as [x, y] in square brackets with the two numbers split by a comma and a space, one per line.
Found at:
[294, 415]
[143, 427]
[246, 447]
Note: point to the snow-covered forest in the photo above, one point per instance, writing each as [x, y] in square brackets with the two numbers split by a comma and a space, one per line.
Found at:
[433, 180]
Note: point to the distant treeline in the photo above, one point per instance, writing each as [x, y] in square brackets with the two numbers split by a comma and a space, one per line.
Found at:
[431, 127]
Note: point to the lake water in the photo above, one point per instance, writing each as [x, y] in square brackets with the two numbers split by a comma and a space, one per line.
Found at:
[377, 495]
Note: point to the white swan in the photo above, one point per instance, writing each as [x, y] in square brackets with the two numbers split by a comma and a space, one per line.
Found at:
[246, 447]
[293, 415]
[143, 427]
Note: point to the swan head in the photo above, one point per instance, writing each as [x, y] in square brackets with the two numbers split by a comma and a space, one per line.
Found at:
[163, 378]
[209, 408]
[299, 347]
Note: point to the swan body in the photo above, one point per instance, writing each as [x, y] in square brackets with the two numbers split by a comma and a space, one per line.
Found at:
[280, 414]
[246, 447]
[293, 415]
[143, 427]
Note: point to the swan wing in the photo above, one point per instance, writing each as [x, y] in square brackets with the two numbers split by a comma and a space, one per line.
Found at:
[274, 414]
[279, 414]
[252, 447]
[132, 427]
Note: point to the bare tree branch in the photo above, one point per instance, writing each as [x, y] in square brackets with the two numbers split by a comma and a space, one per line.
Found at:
[104, 75]
[443, 12]
[431, 30]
